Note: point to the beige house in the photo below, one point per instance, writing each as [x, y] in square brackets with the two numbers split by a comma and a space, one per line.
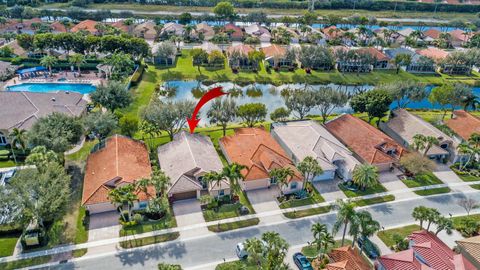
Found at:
[146, 30]
[301, 139]
[403, 126]
[205, 30]
[186, 160]
[22, 109]
[470, 248]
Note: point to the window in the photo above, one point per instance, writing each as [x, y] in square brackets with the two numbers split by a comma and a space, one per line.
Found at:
[293, 185]
[221, 192]
[444, 146]
[273, 180]
[3, 139]
[142, 205]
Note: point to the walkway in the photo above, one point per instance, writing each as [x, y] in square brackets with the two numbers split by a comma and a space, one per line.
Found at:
[382, 208]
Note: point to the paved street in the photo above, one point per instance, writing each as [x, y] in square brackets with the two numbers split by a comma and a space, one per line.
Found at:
[200, 250]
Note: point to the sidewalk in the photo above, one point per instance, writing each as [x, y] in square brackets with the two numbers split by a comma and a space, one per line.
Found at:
[116, 240]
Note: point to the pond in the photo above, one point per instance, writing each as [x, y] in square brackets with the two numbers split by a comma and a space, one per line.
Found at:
[270, 95]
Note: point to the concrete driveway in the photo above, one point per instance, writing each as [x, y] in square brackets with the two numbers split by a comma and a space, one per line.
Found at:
[103, 226]
[187, 213]
[264, 200]
[329, 189]
[392, 182]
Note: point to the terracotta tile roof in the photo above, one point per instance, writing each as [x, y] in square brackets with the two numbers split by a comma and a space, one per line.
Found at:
[242, 48]
[332, 32]
[237, 31]
[121, 161]
[464, 124]
[377, 54]
[256, 149]
[433, 33]
[436, 253]
[87, 25]
[365, 140]
[58, 27]
[347, 258]
[403, 260]
[472, 247]
[460, 35]
[120, 25]
[274, 51]
[433, 53]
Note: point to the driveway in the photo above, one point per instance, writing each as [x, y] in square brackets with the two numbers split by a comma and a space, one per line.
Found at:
[447, 176]
[329, 189]
[392, 182]
[264, 200]
[187, 213]
[103, 226]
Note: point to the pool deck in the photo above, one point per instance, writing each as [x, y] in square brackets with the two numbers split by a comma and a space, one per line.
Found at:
[68, 77]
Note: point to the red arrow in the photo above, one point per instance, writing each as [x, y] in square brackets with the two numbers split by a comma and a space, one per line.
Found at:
[213, 93]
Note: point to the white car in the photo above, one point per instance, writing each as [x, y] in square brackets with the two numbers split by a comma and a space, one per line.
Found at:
[242, 252]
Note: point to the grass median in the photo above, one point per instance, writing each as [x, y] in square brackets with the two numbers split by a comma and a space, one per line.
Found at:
[223, 227]
[376, 200]
[25, 263]
[139, 242]
[307, 212]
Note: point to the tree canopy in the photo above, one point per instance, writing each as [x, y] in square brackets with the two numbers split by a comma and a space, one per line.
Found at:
[113, 95]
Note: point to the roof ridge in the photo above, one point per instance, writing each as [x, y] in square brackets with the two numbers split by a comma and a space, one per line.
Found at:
[183, 133]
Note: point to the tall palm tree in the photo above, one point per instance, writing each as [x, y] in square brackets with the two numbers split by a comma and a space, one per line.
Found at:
[474, 140]
[309, 168]
[418, 142]
[420, 213]
[255, 249]
[18, 138]
[432, 216]
[123, 197]
[281, 175]
[77, 60]
[215, 178]
[233, 172]
[445, 224]
[466, 150]
[346, 213]
[368, 226]
[429, 142]
[160, 181]
[327, 239]
[318, 229]
[49, 61]
[142, 185]
[365, 176]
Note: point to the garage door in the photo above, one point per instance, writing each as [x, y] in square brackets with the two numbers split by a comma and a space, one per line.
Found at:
[185, 195]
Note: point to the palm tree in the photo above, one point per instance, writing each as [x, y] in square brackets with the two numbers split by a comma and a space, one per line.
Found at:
[160, 181]
[346, 213]
[465, 150]
[429, 142]
[418, 142]
[470, 101]
[474, 140]
[255, 249]
[432, 216]
[420, 213]
[48, 61]
[318, 230]
[444, 223]
[215, 178]
[18, 138]
[368, 226]
[142, 185]
[188, 29]
[129, 22]
[365, 176]
[281, 175]
[309, 168]
[123, 197]
[77, 60]
[233, 172]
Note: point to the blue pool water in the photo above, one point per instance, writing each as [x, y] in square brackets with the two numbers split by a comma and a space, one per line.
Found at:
[82, 88]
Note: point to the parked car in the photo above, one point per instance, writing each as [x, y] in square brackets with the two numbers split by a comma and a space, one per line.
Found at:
[370, 249]
[302, 262]
[241, 251]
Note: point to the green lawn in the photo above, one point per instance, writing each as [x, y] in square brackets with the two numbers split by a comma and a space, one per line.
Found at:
[83, 153]
[25, 263]
[314, 198]
[433, 191]
[387, 235]
[8, 163]
[311, 251]
[168, 221]
[235, 265]
[307, 212]
[421, 180]
[469, 178]
[477, 186]
[225, 211]
[371, 190]
[457, 220]
[233, 225]
[139, 242]
[364, 202]
[7, 243]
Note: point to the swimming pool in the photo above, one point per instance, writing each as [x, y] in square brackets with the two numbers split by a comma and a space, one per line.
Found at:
[82, 88]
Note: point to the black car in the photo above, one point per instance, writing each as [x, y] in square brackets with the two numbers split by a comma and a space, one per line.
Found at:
[301, 261]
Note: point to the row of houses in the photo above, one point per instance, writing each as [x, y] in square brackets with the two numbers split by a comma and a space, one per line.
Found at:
[339, 146]
[427, 251]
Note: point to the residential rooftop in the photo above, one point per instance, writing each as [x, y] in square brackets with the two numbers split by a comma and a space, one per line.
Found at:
[464, 124]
